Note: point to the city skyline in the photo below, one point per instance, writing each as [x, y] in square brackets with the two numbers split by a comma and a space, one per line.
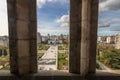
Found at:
[55, 20]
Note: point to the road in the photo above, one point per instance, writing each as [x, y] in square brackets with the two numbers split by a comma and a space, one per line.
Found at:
[49, 59]
[107, 69]
[104, 67]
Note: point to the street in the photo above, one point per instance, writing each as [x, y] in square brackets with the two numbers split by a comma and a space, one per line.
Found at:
[49, 59]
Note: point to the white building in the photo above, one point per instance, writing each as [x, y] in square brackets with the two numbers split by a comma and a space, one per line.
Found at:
[117, 44]
[54, 38]
[108, 40]
[99, 39]
[44, 38]
[39, 38]
[4, 41]
[55, 42]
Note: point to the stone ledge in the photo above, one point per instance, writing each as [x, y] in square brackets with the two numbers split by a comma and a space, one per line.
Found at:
[59, 75]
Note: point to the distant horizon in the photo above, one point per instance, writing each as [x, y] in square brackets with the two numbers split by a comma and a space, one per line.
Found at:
[68, 34]
[55, 20]
[42, 34]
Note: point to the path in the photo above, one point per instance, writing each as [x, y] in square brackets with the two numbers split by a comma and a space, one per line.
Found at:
[49, 59]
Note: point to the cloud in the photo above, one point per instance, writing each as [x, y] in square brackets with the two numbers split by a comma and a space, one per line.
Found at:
[51, 28]
[107, 33]
[102, 1]
[3, 18]
[116, 20]
[109, 5]
[115, 29]
[64, 21]
[41, 3]
[104, 24]
[56, 31]
[108, 22]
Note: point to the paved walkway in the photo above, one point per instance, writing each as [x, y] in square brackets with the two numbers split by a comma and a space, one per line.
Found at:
[107, 69]
[49, 59]
[103, 67]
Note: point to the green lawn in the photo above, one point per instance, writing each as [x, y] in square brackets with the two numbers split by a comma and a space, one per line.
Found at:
[39, 55]
[110, 57]
[63, 47]
[4, 60]
[60, 48]
[3, 47]
[62, 60]
[6, 68]
[97, 66]
[43, 47]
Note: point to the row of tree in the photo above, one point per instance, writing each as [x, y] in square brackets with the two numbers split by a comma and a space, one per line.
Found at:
[109, 56]
[3, 52]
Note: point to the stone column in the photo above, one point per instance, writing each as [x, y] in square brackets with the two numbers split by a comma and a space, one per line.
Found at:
[75, 36]
[93, 34]
[89, 36]
[22, 36]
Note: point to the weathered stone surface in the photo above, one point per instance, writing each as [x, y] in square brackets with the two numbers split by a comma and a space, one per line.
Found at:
[23, 48]
[85, 40]
[22, 29]
[89, 36]
[93, 35]
[75, 36]
[33, 56]
[22, 10]
[74, 59]
[22, 32]
[23, 64]
[33, 61]
[33, 30]
[13, 56]
[57, 75]
[12, 19]
[75, 31]
[33, 10]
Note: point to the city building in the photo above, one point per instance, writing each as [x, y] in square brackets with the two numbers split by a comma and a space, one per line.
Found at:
[44, 39]
[4, 41]
[106, 39]
[39, 38]
[110, 39]
[82, 58]
[57, 39]
[117, 43]
[48, 36]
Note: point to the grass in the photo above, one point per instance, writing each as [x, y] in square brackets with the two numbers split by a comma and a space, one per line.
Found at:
[6, 68]
[60, 48]
[110, 57]
[3, 47]
[43, 47]
[97, 66]
[63, 47]
[39, 55]
[3, 61]
[62, 60]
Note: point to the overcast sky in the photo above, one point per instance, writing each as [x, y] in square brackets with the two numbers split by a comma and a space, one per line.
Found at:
[53, 17]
